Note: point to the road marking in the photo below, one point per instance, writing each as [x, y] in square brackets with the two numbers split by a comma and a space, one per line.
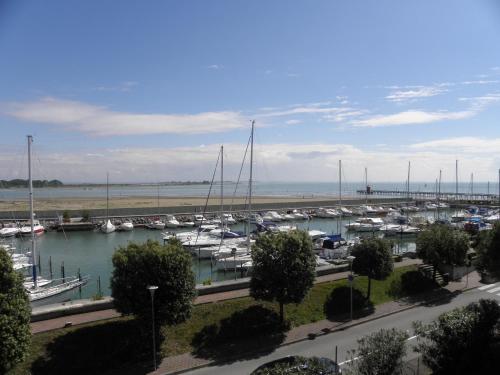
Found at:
[486, 287]
[493, 290]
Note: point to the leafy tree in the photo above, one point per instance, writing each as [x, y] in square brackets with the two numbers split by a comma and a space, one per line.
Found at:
[488, 251]
[297, 365]
[283, 268]
[66, 217]
[373, 259]
[462, 341]
[380, 353]
[15, 333]
[167, 266]
[86, 215]
[442, 245]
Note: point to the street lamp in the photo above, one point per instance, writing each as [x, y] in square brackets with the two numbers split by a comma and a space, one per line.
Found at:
[152, 289]
[351, 258]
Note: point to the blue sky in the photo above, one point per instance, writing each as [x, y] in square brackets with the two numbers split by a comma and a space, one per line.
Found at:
[150, 90]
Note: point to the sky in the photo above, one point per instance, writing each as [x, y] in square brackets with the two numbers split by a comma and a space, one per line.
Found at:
[150, 90]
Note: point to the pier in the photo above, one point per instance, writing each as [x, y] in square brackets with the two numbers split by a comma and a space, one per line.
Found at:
[479, 198]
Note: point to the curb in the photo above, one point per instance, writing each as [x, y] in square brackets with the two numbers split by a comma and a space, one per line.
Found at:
[341, 327]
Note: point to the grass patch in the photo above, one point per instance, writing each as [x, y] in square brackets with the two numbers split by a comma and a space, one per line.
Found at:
[97, 347]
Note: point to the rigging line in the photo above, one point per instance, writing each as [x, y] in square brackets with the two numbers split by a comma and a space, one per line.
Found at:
[208, 197]
[239, 174]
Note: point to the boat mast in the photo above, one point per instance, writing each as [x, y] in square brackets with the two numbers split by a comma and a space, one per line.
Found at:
[222, 186]
[456, 179]
[250, 187]
[32, 214]
[408, 191]
[107, 197]
[439, 193]
[339, 222]
[366, 186]
[471, 185]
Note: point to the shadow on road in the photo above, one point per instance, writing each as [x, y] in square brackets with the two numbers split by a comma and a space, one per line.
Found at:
[246, 334]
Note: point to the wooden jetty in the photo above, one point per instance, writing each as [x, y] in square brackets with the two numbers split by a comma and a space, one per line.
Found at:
[432, 195]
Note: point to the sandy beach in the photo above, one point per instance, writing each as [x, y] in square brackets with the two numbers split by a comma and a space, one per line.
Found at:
[73, 204]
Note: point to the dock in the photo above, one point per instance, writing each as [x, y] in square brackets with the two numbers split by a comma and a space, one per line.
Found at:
[482, 198]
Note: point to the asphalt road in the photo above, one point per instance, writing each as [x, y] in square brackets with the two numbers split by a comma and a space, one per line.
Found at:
[324, 346]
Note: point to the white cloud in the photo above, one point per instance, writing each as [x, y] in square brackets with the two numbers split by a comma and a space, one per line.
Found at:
[215, 66]
[273, 162]
[100, 121]
[293, 122]
[413, 94]
[411, 117]
[460, 145]
[122, 87]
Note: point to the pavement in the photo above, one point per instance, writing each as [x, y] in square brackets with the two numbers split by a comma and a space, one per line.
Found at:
[77, 319]
[298, 340]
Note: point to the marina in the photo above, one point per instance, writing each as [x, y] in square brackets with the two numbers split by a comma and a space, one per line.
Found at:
[90, 252]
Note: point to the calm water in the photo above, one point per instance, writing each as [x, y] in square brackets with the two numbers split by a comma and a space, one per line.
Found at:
[91, 252]
[259, 189]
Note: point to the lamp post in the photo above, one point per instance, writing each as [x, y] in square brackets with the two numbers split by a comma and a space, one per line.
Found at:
[351, 258]
[152, 289]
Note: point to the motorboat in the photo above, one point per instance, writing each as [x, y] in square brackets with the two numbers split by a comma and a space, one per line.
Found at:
[327, 212]
[157, 224]
[367, 224]
[172, 222]
[126, 226]
[200, 219]
[315, 234]
[228, 219]
[38, 229]
[10, 231]
[108, 227]
[345, 211]
[297, 215]
[399, 229]
[272, 216]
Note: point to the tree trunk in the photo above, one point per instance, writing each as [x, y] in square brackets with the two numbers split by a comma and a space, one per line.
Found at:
[369, 288]
[282, 313]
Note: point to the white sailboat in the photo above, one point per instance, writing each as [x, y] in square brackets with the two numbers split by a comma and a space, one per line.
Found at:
[37, 287]
[126, 226]
[108, 226]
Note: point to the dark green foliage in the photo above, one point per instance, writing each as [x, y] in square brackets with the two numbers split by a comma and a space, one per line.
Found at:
[412, 282]
[66, 216]
[373, 259]
[462, 341]
[488, 251]
[442, 245]
[168, 267]
[283, 268]
[15, 334]
[222, 339]
[339, 302]
[18, 183]
[85, 215]
[380, 353]
[298, 365]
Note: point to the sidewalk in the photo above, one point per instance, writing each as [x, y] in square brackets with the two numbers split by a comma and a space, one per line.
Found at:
[77, 319]
[185, 362]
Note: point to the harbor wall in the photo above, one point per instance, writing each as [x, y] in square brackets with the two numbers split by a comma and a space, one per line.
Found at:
[189, 210]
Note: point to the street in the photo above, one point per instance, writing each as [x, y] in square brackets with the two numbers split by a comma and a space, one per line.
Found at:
[324, 346]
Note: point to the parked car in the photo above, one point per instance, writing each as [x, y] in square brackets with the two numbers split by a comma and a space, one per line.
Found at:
[299, 365]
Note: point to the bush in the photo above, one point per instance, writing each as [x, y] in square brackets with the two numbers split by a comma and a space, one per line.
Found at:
[15, 333]
[168, 267]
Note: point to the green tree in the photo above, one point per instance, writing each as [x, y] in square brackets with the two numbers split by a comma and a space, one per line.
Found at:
[86, 215]
[373, 259]
[15, 333]
[462, 341]
[488, 251]
[66, 216]
[167, 266]
[442, 245]
[283, 268]
[380, 353]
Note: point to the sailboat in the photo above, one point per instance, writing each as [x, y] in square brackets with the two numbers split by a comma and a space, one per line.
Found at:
[157, 224]
[107, 227]
[37, 287]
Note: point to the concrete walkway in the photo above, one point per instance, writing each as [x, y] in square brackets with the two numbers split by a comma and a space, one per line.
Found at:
[184, 362]
[56, 323]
